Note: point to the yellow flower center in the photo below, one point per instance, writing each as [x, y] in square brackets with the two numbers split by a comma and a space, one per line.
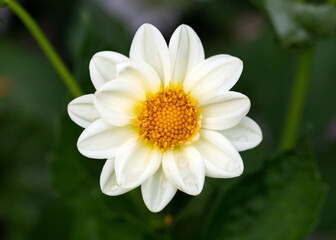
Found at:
[168, 118]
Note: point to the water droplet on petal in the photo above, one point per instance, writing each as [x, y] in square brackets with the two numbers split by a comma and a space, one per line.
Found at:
[164, 184]
[242, 138]
[190, 180]
[232, 166]
[114, 188]
[183, 162]
[238, 171]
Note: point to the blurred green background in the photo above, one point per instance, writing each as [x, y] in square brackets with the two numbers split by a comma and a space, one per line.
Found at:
[49, 191]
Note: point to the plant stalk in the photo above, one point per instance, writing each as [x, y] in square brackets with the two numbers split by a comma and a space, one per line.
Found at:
[297, 100]
[46, 47]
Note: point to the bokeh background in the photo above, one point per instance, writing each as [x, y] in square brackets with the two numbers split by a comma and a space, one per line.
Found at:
[49, 191]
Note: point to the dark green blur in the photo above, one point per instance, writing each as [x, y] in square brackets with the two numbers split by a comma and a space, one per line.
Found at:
[49, 191]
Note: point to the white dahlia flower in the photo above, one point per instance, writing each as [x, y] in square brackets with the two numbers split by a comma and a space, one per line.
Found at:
[165, 117]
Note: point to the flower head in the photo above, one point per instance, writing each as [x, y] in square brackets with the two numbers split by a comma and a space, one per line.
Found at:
[165, 117]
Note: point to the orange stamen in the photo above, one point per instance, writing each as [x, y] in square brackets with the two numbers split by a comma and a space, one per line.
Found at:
[168, 118]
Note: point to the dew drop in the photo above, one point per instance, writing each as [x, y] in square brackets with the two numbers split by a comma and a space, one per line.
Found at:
[114, 188]
[242, 138]
[232, 166]
[183, 162]
[190, 180]
[164, 184]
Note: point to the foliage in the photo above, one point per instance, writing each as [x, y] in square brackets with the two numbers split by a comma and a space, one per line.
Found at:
[280, 201]
[298, 23]
[48, 187]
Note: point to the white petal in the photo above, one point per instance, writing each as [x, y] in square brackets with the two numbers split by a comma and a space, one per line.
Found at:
[116, 101]
[221, 159]
[82, 111]
[157, 191]
[149, 46]
[245, 135]
[185, 168]
[186, 51]
[108, 182]
[140, 73]
[101, 140]
[135, 163]
[225, 110]
[103, 67]
[220, 71]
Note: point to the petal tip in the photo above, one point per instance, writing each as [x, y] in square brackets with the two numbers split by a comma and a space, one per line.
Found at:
[146, 26]
[239, 171]
[154, 208]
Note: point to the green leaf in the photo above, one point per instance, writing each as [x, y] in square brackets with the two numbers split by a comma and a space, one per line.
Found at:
[281, 201]
[188, 218]
[298, 23]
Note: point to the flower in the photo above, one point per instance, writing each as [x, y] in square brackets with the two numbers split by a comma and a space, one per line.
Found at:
[165, 117]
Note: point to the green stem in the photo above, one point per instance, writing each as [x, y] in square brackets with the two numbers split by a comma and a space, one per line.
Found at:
[297, 100]
[46, 46]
